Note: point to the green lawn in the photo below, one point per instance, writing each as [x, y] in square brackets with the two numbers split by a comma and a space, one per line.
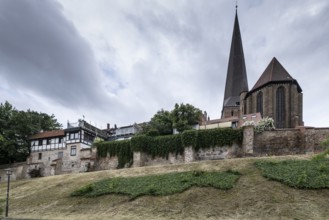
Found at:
[160, 185]
[303, 174]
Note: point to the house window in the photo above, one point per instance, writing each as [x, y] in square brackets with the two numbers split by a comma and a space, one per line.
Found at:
[40, 143]
[260, 103]
[73, 150]
[74, 135]
[280, 107]
[60, 140]
[88, 137]
[60, 154]
[48, 141]
[39, 156]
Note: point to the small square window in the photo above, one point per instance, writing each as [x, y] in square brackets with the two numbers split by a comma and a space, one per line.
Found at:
[40, 156]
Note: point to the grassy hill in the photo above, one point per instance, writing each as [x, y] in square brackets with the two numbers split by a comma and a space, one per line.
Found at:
[253, 197]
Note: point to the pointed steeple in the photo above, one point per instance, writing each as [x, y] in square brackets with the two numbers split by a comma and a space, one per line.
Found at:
[236, 79]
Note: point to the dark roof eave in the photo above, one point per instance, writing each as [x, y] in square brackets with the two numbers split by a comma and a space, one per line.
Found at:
[299, 89]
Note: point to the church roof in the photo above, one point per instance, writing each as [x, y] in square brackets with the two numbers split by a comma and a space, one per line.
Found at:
[274, 72]
[236, 79]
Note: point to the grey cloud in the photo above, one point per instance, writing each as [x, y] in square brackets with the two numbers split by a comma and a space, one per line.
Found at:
[41, 51]
[153, 53]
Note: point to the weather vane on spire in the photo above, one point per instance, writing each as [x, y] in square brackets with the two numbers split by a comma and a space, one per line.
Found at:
[236, 5]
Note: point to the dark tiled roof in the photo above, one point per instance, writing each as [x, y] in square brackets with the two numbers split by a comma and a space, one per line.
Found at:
[274, 72]
[236, 79]
[48, 134]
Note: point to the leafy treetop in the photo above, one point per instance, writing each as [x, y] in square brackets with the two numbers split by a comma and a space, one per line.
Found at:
[15, 129]
[182, 117]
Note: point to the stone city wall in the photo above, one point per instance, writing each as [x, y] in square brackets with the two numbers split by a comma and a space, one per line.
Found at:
[19, 171]
[278, 142]
[301, 140]
[217, 153]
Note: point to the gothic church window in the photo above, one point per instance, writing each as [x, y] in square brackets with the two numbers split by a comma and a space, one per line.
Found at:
[280, 107]
[260, 103]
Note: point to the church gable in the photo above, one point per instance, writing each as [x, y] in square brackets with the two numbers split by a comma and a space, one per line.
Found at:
[274, 73]
[278, 95]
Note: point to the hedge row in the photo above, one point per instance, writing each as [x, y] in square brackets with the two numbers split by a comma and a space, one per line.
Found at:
[162, 146]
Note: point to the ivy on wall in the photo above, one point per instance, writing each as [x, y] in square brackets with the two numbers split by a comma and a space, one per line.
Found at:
[162, 146]
[159, 146]
[121, 149]
[204, 139]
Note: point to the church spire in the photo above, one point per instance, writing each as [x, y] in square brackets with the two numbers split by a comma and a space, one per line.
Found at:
[236, 79]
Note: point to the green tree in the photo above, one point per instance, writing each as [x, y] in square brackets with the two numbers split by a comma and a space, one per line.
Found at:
[162, 122]
[15, 129]
[184, 116]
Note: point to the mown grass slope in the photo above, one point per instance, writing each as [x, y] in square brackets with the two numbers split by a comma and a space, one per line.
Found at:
[252, 197]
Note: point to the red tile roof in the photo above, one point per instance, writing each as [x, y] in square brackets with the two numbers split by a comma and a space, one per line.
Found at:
[48, 134]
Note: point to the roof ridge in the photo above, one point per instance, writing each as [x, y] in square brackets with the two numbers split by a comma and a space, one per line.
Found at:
[274, 72]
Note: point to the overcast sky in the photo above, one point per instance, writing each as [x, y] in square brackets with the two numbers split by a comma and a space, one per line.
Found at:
[119, 61]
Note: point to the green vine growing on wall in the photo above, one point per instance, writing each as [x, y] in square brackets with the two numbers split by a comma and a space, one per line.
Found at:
[162, 146]
[121, 149]
[204, 139]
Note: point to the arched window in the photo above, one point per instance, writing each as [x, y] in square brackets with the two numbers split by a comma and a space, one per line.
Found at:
[280, 107]
[260, 103]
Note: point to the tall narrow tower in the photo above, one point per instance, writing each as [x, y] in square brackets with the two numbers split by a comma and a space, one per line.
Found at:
[236, 79]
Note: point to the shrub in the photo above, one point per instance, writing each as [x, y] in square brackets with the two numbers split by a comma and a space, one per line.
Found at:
[249, 123]
[325, 153]
[265, 124]
[305, 174]
[33, 173]
[159, 185]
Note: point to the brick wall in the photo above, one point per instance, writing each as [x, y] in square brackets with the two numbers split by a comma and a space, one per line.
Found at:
[279, 142]
[289, 141]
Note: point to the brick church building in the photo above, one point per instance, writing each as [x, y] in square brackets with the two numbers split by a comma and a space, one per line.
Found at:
[276, 94]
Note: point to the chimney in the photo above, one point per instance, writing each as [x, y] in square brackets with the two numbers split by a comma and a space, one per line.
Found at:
[108, 126]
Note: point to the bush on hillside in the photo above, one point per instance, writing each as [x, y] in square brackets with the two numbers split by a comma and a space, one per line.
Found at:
[159, 185]
[303, 174]
[34, 173]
